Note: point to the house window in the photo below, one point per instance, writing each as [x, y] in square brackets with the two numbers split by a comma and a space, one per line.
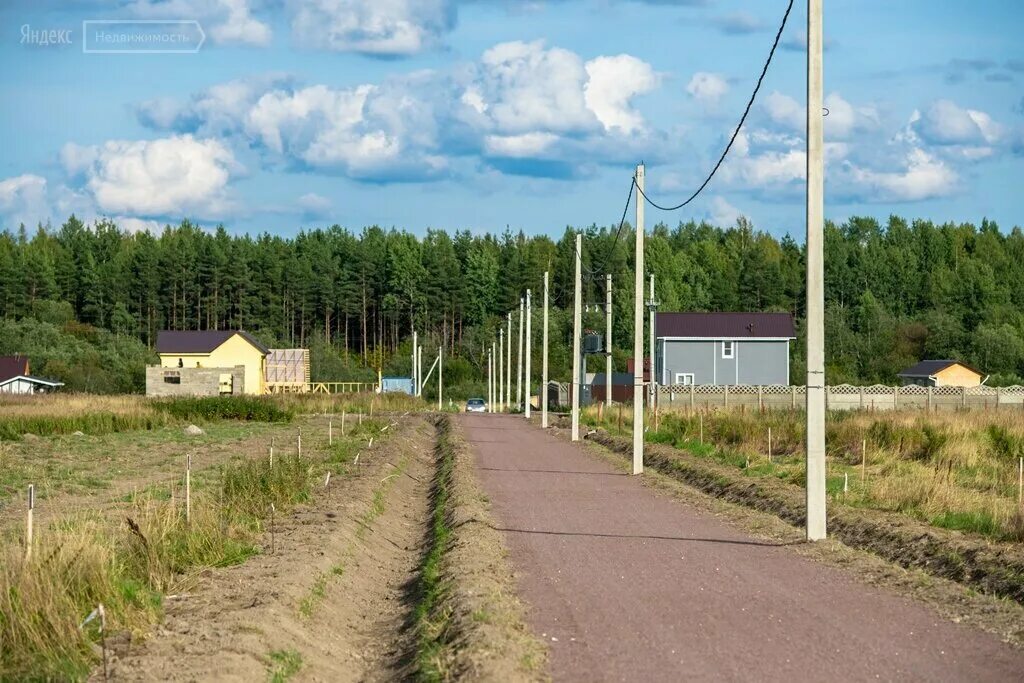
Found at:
[728, 349]
[684, 378]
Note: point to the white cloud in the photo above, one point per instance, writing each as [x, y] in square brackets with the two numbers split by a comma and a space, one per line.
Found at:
[722, 213]
[923, 177]
[227, 21]
[525, 145]
[314, 204]
[373, 27]
[945, 123]
[179, 175]
[707, 88]
[23, 200]
[611, 83]
[784, 111]
[739, 23]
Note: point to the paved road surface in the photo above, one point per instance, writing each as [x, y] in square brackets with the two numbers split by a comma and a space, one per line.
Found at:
[638, 587]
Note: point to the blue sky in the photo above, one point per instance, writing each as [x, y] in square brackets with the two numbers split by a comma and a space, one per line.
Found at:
[484, 113]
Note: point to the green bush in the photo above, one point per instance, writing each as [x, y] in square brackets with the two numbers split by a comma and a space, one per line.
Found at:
[248, 408]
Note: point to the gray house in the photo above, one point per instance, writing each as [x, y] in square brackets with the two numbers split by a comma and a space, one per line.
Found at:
[723, 348]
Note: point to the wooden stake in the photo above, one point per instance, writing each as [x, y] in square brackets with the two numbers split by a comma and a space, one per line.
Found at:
[702, 429]
[863, 461]
[103, 640]
[620, 418]
[330, 432]
[271, 452]
[188, 489]
[29, 521]
[1020, 481]
[327, 480]
[273, 538]
[769, 444]
[300, 442]
[343, 423]
[846, 482]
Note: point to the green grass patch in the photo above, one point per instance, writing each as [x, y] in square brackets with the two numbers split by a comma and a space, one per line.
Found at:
[976, 522]
[283, 665]
[209, 408]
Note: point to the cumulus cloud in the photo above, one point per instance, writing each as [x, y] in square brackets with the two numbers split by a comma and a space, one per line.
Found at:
[786, 112]
[179, 175]
[314, 205]
[946, 123]
[227, 21]
[722, 213]
[739, 23]
[23, 200]
[707, 88]
[923, 176]
[386, 28]
[519, 101]
[843, 119]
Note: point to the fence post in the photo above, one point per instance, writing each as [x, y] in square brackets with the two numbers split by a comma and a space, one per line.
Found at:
[691, 397]
[930, 391]
[760, 398]
[793, 396]
[998, 394]
[963, 397]
[29, 521]
[895, 398]
[862, 398]
[726, 396]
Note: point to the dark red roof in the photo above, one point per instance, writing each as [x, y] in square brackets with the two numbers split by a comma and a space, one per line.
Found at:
[13, 366]
[725, 325]
[200, 341]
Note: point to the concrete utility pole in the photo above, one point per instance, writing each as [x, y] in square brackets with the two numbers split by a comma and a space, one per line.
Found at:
[494, 371]
[638, 331]
[501, 370]
[414, 373]
[529, 353]
[816, 530]
[440, 381]
[508, 368]
[577, 326]
[490, 389]
[608, 339]
[654, 381]
[519, 359]
[419, 369]
[544, 362]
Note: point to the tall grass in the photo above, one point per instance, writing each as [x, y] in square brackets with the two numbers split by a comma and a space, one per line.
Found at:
[951, 469]
[68, 413]
[83, 561]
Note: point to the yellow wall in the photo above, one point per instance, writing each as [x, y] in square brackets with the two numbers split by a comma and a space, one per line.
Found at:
[235, 351]
[955, 376]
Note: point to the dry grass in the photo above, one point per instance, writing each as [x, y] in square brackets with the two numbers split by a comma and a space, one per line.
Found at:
[955, 470]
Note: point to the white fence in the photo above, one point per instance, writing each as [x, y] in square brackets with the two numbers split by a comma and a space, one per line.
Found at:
[842, 397]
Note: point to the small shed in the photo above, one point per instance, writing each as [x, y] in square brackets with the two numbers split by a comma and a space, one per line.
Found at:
[942, 373]
[16, 379]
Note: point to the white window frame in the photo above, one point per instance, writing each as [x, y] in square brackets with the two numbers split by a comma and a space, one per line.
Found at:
[732, 349]
[681, 378]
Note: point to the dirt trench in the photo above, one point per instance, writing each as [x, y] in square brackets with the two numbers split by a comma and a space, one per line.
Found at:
[332, 603]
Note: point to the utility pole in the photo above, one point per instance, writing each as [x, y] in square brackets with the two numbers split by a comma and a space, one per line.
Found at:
[608, 339]
[508, 367]
[577, 325]
[653, 392]
[501, 369]
[519, 359]
[419, 369]
[816, 528]
[529, 353]
[544, 362]
[440, 381]
[494, 371]
[638, 331]
[415, 375]
[490, 389]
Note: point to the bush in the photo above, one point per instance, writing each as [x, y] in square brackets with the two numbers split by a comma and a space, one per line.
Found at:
[248, 408]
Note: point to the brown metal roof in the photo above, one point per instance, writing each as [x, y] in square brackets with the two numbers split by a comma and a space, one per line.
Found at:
[200, 341]
[13, 366]
[927, 368]
[725, 325]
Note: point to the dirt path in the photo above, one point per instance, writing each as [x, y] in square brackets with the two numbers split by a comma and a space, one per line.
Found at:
[330, 605]
[629, 585]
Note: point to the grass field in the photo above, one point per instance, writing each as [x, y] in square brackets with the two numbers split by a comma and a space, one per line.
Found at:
[111, 525]
[956, 470]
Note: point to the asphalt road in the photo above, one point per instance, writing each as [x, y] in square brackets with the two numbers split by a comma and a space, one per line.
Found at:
[628, 585]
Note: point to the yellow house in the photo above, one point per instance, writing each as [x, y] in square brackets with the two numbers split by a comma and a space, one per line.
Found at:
[942, 373]
[215, 349]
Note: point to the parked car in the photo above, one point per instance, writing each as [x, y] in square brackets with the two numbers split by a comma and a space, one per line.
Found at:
[476, 405]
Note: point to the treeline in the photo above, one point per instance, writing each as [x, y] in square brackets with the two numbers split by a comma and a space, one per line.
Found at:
[895, 293]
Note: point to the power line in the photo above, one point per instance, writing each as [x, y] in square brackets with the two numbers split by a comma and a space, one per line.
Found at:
[736, 132]
[622, 221]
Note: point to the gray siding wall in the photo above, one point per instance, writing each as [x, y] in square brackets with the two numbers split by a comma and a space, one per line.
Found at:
[753, 362]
